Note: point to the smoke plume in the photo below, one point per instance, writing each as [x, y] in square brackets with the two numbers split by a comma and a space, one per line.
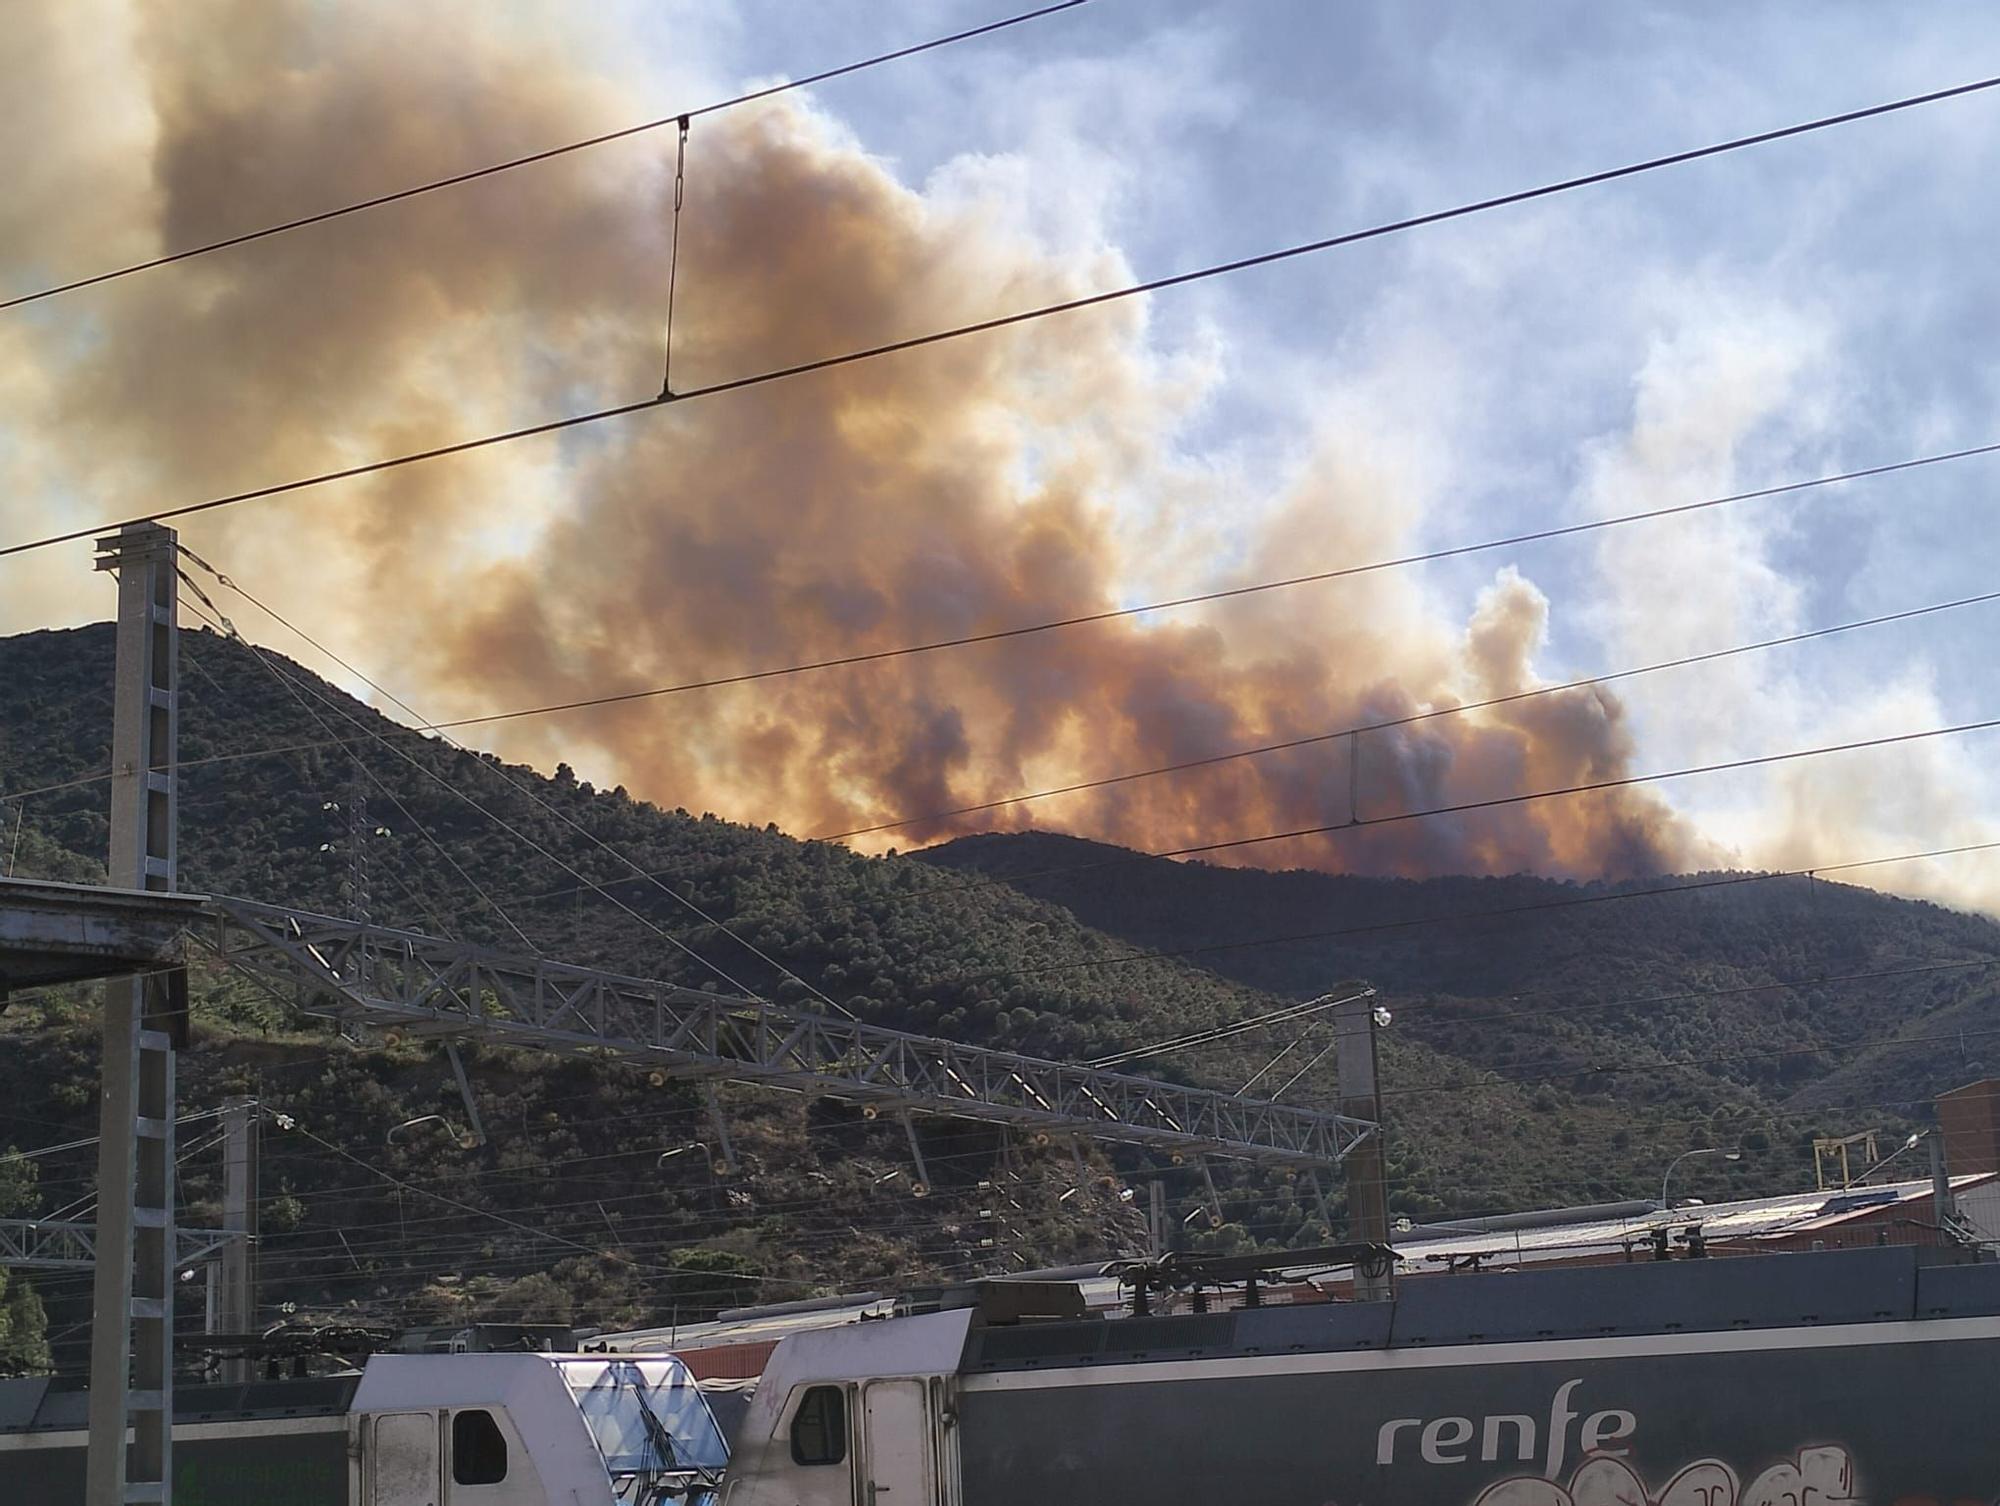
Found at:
[1034, 473]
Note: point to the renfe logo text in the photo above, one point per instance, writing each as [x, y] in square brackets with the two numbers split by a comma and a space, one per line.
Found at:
[1511, 1437]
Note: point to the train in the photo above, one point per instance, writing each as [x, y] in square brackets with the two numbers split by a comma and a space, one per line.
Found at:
[1831, 1378]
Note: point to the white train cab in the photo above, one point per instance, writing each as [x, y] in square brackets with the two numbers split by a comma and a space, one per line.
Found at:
[533, 1430]
[864, 1414]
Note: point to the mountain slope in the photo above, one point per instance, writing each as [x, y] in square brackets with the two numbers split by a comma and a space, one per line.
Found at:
[1574, 976]
[593, 1224]
[458, 844]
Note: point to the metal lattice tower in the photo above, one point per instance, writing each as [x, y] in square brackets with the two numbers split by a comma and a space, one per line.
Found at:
[358, 897]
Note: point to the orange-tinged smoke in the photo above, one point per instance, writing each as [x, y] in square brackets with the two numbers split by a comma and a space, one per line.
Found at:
[983, 484]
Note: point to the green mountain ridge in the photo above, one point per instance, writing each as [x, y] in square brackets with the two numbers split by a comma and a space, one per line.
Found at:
[1807, 993]
[571, 1213]
[457, 843]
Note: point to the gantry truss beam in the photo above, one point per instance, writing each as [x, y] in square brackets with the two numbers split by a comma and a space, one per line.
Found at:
[57, 1244]
[346, 968]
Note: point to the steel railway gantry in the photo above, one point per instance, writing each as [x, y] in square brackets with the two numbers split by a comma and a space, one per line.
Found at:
[381, 976]
[351, 969]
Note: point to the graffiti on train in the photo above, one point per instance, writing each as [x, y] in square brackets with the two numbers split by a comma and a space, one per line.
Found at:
[1818, 1476]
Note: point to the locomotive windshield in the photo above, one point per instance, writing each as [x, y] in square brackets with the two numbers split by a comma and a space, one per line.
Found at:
[651, 1424]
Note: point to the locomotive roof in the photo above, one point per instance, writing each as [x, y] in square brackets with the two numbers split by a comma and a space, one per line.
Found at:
[40, 1405]
[1897, 1283]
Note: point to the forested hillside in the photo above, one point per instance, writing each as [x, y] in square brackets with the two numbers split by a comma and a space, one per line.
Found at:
[295, 793]
[1806, 993]
[457, 844]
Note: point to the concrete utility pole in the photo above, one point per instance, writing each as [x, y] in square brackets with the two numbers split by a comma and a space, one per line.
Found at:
[1354, 1025]
[132, 1316]
[236, 1272]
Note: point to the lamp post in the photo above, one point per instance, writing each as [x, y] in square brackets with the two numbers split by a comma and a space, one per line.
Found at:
[1904, 1149]
[464, 1139]
[1687, 1155]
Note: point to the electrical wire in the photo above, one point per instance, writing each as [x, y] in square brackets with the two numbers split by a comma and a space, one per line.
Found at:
[1727, 991]
[1665, 1127]
[1708, 656]
[1229, 593]
[1465, 807]
[49, 1150]
[1233, 1028]
[1670, 1064]
[1456, 709]
[1453, 551]
[1459, 917]
[519, 835]
[521, 1228]
[402, 810]
[541, 156]
[407, 1268]
[535, 796]
[1023, 316]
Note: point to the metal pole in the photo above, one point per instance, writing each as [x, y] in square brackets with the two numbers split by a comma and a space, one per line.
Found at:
[1354, 1025]
[725, 1165]
[1156, 1215]
[237, 1303]
[1944, 1209]
[472, 1118]
[132, 1318]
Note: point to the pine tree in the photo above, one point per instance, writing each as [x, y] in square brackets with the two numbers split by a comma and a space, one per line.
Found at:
[24, 1326]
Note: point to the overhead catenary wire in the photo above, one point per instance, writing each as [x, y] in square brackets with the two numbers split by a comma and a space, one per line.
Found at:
[293, 690]
[825, 75]
[517, 833]
[1571, 1068]
[1567, 902]
[385, 1260]
[529, 1229]
[1023, 316]
[1685, 661]
[1226, 593]
[533, 795]
[404, 1267]
[1496, 802]
[50, 1150]
[1818, 980]
[1664, 1126]
[1232, 1028]
[1456, 709]
[1459, 917]
[422, 726]
[1669, 1064]
[678, 1224]
[680, 899]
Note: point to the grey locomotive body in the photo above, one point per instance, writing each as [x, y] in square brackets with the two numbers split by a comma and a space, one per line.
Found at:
[1798, 1380]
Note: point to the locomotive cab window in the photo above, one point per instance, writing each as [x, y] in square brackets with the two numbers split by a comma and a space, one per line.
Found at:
[819, 1427]
[478, 1449]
